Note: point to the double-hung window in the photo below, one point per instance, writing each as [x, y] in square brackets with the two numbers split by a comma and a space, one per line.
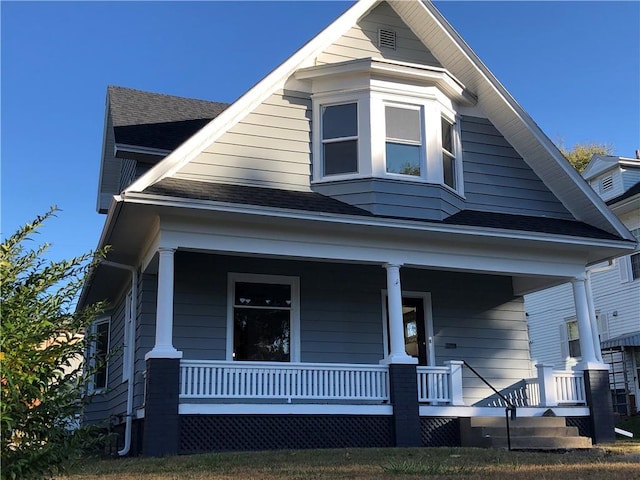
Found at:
[264, 318]
[403, 145]
[340, 139]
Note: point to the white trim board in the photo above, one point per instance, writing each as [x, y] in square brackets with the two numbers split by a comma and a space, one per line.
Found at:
[463, 412]
[281, 409]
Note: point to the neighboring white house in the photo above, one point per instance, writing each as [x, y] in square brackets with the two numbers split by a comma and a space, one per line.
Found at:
[615, 292]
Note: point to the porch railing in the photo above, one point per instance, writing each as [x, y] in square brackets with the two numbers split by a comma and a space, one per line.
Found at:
[204, 379]
[440, 385]
[555, 387]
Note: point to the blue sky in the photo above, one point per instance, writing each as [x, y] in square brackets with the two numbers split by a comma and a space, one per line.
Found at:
[574, 66]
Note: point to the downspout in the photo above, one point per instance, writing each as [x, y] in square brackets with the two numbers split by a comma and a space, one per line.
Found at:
[592, 311]
[131, 352]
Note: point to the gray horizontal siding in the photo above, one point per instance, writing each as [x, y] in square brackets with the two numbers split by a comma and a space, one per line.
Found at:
[497, 179]
[361, 41]
[270, 147]
[145, 332]
[395, 197]
[341, 314]
[478, 314]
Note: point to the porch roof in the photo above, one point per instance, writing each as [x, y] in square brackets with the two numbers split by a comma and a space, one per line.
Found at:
[316, 202]
[627, 340]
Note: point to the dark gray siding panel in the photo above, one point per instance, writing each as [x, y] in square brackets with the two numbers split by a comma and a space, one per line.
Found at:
[117, 389]
[497, 179]
[145, 331]
[340, 309]
[395, 198]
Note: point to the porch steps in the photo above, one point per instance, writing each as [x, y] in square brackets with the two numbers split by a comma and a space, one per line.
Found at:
[527, 433]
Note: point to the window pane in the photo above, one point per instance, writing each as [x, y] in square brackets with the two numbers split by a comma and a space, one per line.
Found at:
[339, 121]
[572, 330]
[404, 159]
[102, 346]
[340, 157]
[402, 124]
[261, 335]
[447, 139]
[449, 168]
[635, 266]
[262, 295]
[574, 348]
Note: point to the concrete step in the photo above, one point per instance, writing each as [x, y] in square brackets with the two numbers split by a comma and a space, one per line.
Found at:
[527, 433]
[542, 443]
[518, 422]
[518, 431]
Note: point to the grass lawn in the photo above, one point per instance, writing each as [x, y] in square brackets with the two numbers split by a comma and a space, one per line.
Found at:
[619, 462]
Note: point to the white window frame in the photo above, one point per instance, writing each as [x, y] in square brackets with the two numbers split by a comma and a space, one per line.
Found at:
[293, 282]
[92, 352]
[371, 101]
[625, 265]
[421, 144]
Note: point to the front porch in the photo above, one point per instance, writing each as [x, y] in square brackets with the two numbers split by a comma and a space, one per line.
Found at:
[264, 405]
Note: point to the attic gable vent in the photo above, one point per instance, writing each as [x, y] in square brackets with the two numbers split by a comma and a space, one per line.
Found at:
[387, 38]
[606, 183]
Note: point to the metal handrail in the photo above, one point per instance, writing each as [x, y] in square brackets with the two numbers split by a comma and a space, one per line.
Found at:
[510, 410]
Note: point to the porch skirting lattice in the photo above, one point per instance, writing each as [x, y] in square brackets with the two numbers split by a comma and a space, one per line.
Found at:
[210, 433]
[440, 432]
[207, 433]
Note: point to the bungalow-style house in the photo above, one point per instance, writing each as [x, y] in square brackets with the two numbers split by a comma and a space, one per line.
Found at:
[339, 257]
[615, 290]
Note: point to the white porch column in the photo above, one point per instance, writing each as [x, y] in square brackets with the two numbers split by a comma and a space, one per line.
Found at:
[547, 385]
[164, 308]
[587, 350]
[396, 323]
[592, 317]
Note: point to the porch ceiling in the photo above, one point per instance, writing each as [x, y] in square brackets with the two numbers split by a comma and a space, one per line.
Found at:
[139, 224]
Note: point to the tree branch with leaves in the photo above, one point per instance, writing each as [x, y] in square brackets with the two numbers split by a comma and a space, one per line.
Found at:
[42, 341]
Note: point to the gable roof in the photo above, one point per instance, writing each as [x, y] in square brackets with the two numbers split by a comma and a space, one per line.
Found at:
[156, 120]
[602, 163]
[456, 56]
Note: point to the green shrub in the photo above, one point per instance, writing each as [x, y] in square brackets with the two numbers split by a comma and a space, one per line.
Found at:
[42, 341]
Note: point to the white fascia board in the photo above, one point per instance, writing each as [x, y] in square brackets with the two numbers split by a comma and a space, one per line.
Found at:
[410, 225]
[123, 147]
[251, 99]
[522, 117]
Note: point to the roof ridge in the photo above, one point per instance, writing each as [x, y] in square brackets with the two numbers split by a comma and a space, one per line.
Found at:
[111, 88]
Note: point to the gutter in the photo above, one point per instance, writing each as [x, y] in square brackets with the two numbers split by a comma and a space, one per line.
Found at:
[131, 353]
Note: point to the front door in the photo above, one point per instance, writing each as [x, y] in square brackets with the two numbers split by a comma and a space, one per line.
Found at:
[415, 338]
[416, 318]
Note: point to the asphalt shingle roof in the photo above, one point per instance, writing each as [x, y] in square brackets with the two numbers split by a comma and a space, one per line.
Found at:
[156, 120]
[316, 202]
